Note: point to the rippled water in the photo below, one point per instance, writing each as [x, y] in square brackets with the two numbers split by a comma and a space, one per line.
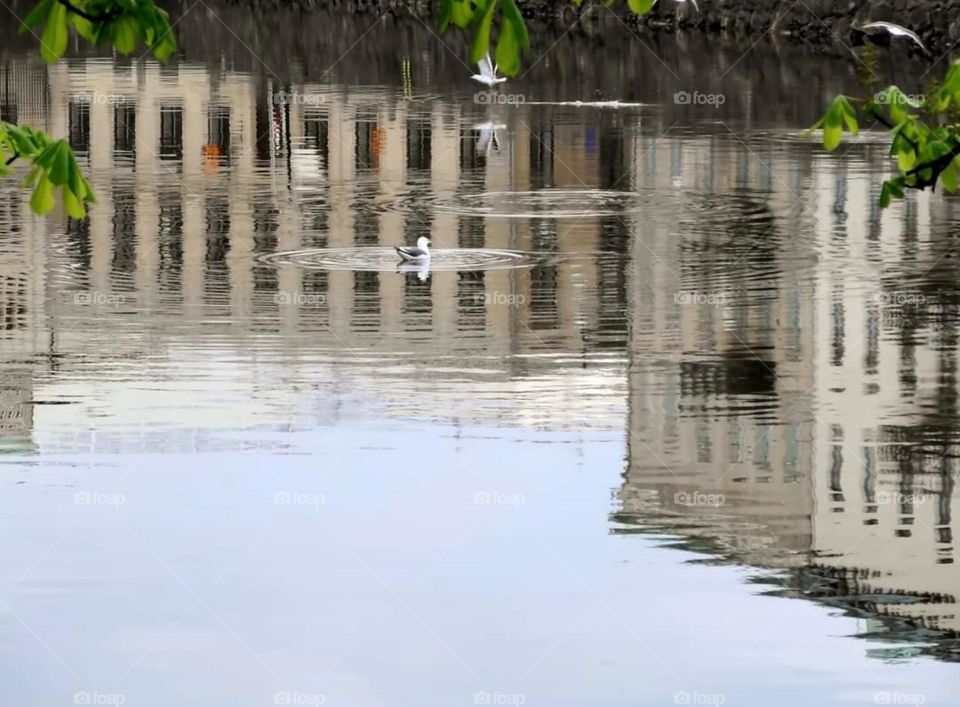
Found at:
[670, 417]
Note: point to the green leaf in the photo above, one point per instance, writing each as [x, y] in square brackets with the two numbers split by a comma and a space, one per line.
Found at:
[42, 201]
[508, 50]
[481, 39]
[641, 7]
[948, 177]
[73, 205]
[849, 114]
[125, 31]
[513, 16]
[53, 41]
[832, 128]
[36, 14]
[891, 188]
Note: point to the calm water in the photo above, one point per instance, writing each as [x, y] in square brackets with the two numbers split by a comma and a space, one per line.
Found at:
[671, 419]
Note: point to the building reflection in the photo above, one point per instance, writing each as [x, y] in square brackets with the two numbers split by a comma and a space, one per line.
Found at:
[752, 366]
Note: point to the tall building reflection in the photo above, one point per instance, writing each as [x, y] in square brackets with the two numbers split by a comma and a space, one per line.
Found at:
[752, 366]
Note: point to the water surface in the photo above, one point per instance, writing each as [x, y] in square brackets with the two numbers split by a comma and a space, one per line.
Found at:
[672, 418]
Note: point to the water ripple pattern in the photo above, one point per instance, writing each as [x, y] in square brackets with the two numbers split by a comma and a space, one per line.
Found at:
[545, 203]
[380, 259]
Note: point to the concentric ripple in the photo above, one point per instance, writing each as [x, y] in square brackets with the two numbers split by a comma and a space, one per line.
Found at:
[544, 203]
[381, 259]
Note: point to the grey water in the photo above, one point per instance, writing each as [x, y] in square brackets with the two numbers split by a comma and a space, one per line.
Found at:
[671, 417]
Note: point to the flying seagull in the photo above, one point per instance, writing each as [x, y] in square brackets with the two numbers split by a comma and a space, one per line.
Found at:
[887, 30]
[419, 254]
[488, 72]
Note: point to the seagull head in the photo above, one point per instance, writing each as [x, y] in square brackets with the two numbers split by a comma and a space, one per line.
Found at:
[423, 243]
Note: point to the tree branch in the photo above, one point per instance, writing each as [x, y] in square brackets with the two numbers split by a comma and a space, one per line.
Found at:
[935, 166]
[882, 119]
[102, 17]
[12, 158]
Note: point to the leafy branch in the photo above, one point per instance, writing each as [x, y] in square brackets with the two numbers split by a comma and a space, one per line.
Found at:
[54, 166]
[480, 16]
[123, 23]
[924, 130]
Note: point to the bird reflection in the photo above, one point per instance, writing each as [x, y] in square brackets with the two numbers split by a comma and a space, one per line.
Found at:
[422, 269]
[487, 139]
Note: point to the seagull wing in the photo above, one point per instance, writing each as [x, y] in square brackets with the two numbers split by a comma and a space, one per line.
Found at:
[486, 67]
[412, 252]
[896, 31]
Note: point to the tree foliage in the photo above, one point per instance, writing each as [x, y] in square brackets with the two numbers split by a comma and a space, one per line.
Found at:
[924, 131]
[123, 24]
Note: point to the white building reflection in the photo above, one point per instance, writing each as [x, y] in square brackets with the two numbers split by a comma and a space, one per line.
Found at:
[752, 364]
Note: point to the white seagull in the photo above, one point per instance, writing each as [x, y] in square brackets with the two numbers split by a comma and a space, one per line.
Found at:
[894, 31]
[488, 72]
[418, 254]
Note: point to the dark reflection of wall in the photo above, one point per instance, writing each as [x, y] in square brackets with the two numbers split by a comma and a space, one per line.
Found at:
[365, 155]
[218, 131]
[79, 126]
[544, 276]
[78, 242]
[218, 243]
[417, 303]
[124, 228]
[471, 306]
[170, 239]
[419, 137]
[125, 129]
[171, 133]
[366, 300]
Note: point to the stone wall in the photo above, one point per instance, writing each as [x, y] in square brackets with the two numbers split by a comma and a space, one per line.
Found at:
[821, 22]
[827, 22]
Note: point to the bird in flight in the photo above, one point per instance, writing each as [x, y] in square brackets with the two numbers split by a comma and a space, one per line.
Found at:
[488, 72]
[873, 30]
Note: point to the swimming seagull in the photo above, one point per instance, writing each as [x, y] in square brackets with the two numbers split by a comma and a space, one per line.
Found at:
[876, 29]
[488, 72]
[420, 253]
